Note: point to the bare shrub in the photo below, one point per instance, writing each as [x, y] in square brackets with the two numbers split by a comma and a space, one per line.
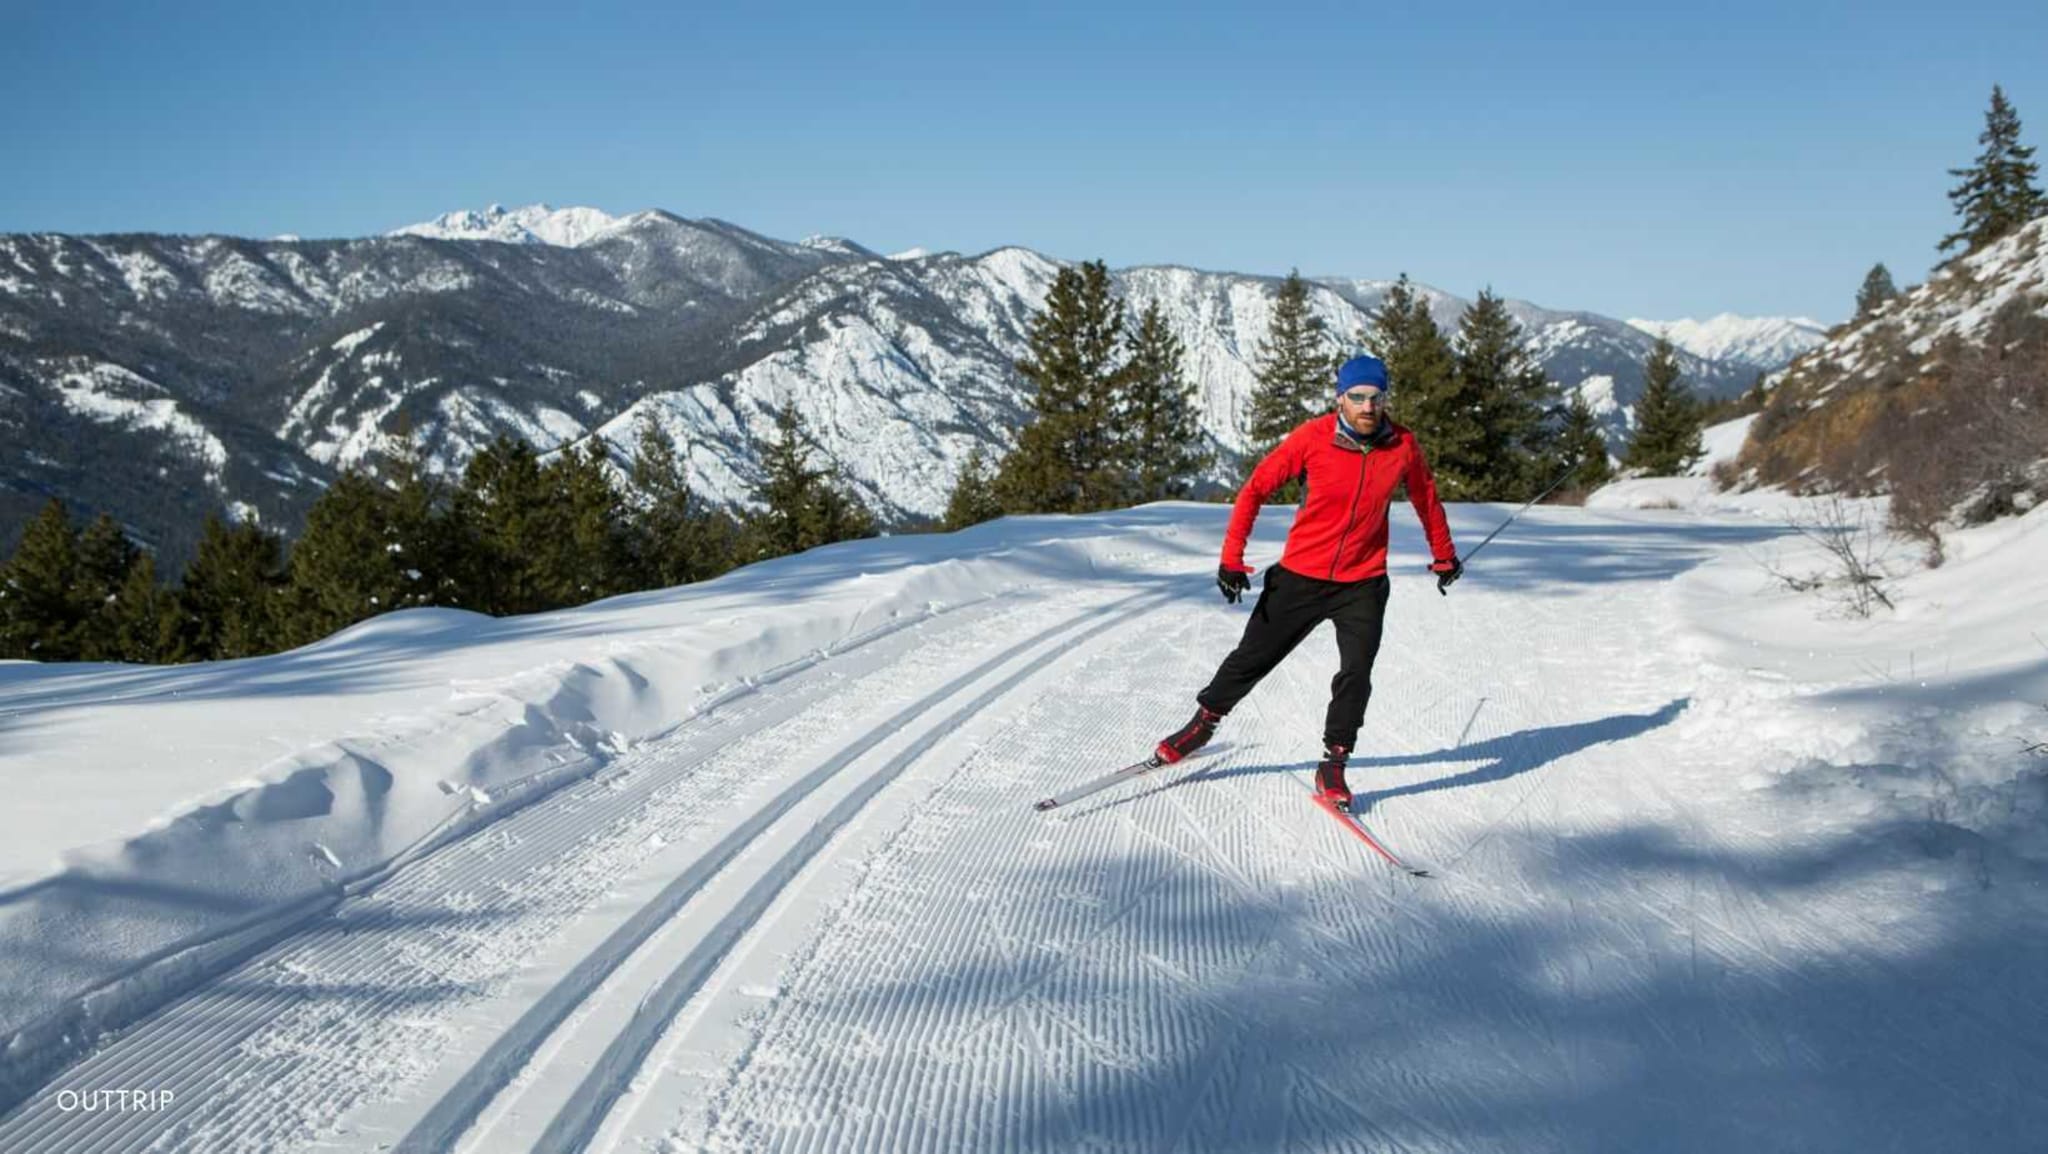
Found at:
[1856, 547]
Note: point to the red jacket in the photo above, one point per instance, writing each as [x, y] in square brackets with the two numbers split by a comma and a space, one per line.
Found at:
[1340, 531]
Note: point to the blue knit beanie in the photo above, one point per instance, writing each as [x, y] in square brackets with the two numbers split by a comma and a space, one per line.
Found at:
[1362, 371]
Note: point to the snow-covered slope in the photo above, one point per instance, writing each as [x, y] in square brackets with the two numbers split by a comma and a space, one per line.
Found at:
[752, 865]
[1762, 342]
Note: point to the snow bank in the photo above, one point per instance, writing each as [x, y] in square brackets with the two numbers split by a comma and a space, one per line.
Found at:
[129, 871]
[1922, 715]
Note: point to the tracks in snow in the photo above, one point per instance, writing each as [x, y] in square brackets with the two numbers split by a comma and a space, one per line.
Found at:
[359, 1009]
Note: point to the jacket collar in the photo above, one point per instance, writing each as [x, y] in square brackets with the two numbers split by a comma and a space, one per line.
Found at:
[1381, 436]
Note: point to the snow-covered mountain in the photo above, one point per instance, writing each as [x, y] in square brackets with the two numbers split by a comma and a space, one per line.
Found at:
[302, 358]
[531, 224]
[1762, 342]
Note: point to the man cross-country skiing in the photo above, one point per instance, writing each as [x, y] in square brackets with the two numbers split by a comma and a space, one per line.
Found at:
[1334, 566]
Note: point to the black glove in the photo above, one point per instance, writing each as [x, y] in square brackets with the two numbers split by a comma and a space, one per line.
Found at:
[1233, 582]
[1447, 572]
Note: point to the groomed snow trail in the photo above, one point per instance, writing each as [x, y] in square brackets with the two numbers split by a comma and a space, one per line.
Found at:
[825, 917]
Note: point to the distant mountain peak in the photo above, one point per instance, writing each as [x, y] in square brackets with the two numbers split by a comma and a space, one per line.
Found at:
[529, 224]
[1763, 341]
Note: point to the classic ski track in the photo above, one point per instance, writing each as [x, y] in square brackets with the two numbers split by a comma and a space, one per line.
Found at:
[942, 1033]
[580, 1119]
[169, 1042]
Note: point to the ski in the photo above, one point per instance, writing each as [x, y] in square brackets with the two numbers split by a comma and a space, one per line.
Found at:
[1135, 769]
[1350, 821]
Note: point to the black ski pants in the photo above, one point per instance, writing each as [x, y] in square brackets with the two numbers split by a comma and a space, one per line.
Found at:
[1288, 610]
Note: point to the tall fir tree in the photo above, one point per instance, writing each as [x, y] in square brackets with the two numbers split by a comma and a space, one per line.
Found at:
[1877, 288]
[1666, 439]
[1295, 368]
[1427, 393]
[504, 523]
[1997, 194]
[105, 558]
[973, 499]
[344, 567]
[1070, 456]
[41, 613]
[802, 506]
[423, 533]
[589, 556]
[230, 600]
[144, 618]
[676, 539]
[1163, 429]
[1511, 402]
[1581, 446]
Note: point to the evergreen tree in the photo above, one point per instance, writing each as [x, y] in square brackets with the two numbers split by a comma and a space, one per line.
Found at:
[973, 499]
[105, 558]
[1581, 446]
[425, 543]
[503, 520]
[229, 601]
[802, 506]
[1428, 394]
[143, 619]
[1510, 401]
[675, 539]
[41, 614]
[1877, 289]
[1069, 458]
[348, 565]
[1997, 194]
[1666, 440]
[589, 555]
[1163, 432]
[1295, 367]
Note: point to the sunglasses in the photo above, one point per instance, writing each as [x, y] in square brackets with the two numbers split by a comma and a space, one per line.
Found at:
[1363, 396]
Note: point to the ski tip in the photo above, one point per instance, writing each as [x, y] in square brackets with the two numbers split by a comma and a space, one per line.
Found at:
[1042, 806]
[1417, 872]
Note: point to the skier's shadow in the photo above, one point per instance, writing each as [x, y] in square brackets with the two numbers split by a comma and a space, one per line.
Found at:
[1505, 756]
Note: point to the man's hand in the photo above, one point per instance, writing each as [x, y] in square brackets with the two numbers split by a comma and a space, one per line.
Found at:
[1233, 580]
[1447, 572]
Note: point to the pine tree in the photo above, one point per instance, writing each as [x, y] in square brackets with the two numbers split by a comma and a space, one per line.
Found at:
[1666, 440]
[1582, 447]
[1997, 194]
[105, 558]
[229, 600]
[144, 618]
[1069, 458]
[427, 548]
[1427, 393]
[503, 520]
[41, 615]
[801, 505]
[348, 564]
[973, 499]
[1511, 401]
[1877, 289]
[1295, 367]
[676, 539]
[589, 555]
[1162, 426]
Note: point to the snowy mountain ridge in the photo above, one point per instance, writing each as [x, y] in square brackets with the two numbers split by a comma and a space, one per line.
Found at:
[1767, 342]
[303, 358]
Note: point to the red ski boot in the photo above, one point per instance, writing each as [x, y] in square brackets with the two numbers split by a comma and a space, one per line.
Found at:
[1330, 777]
[1188, 738]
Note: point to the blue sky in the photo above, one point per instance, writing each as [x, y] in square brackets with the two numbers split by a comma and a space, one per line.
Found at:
[1754, 158]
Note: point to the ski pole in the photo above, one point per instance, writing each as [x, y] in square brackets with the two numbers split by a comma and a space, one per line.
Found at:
[1525, 508]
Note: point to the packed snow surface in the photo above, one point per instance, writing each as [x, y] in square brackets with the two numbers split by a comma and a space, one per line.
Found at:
[753, 864]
